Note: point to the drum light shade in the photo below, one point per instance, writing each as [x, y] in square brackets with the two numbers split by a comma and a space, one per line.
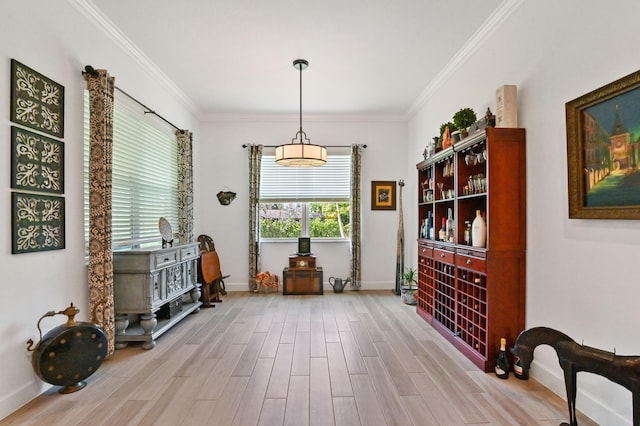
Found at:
[298, 153]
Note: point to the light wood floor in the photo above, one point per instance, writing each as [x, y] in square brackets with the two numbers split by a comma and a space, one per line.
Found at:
[356, 358]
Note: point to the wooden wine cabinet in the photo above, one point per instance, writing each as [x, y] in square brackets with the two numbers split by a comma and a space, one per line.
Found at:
[475, 295]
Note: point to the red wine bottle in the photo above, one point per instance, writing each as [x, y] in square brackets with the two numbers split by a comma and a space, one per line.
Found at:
[502, 362]
[518, 369]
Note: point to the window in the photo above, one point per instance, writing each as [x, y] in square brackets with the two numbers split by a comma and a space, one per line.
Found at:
[314, 201]
[145, 175]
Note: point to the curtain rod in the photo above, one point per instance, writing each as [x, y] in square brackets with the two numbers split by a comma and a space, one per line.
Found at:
[328, 146]
[91, 71]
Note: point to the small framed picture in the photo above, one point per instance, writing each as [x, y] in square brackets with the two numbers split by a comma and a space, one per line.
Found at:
[383, 195]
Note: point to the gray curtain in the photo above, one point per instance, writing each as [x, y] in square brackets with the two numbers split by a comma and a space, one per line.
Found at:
[255, 159]
[184, 139]
[356, 261]
[100, 271]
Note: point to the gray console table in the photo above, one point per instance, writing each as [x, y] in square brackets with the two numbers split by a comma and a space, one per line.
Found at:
[153, 290]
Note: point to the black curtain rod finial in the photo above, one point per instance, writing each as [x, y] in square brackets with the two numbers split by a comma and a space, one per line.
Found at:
[88, 69]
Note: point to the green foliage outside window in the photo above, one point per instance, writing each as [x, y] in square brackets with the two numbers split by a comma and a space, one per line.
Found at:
[327, 220]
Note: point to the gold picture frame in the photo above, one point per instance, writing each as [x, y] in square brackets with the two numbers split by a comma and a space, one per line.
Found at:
[383, 195]
[603, 155]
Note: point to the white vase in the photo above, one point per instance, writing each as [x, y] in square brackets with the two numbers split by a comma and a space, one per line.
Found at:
[478, 231]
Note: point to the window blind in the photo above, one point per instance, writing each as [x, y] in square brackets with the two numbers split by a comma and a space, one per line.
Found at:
[145, 175]
[330, 182]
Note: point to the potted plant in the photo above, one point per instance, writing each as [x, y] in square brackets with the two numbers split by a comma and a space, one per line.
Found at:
[410, 286]
[463, 119]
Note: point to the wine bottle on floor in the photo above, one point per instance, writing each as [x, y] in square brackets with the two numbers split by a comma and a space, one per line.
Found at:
[502, 362]
[518, 369]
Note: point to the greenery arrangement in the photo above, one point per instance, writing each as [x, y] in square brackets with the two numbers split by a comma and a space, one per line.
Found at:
[464, 118]
[410, 278]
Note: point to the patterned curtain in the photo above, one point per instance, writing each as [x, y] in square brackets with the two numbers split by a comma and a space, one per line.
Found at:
[184, 138]
[356, 261]
[255, 159]
[101, 87]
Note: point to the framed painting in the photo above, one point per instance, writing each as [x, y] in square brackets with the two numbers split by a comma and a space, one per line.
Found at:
[37, 222]
[37, 162]
[603, 159]
[37, 102]
[383, 195]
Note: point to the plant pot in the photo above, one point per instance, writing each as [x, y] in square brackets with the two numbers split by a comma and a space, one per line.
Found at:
[408, 294]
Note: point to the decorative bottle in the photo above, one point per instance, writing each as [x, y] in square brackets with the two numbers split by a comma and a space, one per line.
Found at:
[432, 230]
[449, 226]
[427, 233]
[502, 362]
[442, 234]
[478, 230]
[467, 232]
[518, 369]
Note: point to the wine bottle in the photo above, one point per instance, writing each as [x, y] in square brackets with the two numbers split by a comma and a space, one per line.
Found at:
[502, 362]
[518, 369]
[442, 234]
[427, 233]
[449, 226]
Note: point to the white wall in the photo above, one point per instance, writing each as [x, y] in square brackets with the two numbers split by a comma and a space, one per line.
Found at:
[52, 38]
[581, 274]
[224, 162]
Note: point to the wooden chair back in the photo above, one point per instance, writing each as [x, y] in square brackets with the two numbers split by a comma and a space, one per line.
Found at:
[210, 267]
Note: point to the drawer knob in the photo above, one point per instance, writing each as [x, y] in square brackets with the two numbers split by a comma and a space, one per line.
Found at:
[166, 259]
[441, 254]
[468, 261]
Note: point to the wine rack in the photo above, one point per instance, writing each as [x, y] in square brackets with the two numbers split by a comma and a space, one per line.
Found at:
[474, 295]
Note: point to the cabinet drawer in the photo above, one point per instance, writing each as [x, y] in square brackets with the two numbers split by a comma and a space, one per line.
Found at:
[189, 253]
[162, 260]
[470, 262]
[444, 256]
[425, 251]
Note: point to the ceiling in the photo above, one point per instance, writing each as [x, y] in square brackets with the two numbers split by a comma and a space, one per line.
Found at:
[367, 57]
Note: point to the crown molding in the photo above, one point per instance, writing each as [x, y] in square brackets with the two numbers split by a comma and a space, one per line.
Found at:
[482, 34]
[94, 15]
[311, 118]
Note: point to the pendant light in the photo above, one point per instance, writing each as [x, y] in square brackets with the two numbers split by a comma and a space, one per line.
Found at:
[298, 153]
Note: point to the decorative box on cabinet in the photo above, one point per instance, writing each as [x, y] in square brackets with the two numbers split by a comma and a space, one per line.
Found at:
[475, 295]
[302, 276]
[153, 290]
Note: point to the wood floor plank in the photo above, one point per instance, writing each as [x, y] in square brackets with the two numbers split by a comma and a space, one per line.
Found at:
[352, 355]
[271, 342]
[396, 370]
[366, 401]
[317, 339]
[367, 348]
[418, 410]
[217, 379]
[297, 411]
[346, 412]
[279, 381]
[245, 364]
[321, 402]
[289, 329]
[442, 410]
[338, 371]
[390, 404]
[254, 394]
[272, 413]
[301, 354]
[330, 326]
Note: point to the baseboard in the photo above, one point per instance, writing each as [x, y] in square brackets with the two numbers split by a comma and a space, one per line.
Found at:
[20, 397]
[586, 403]
[379, 285]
